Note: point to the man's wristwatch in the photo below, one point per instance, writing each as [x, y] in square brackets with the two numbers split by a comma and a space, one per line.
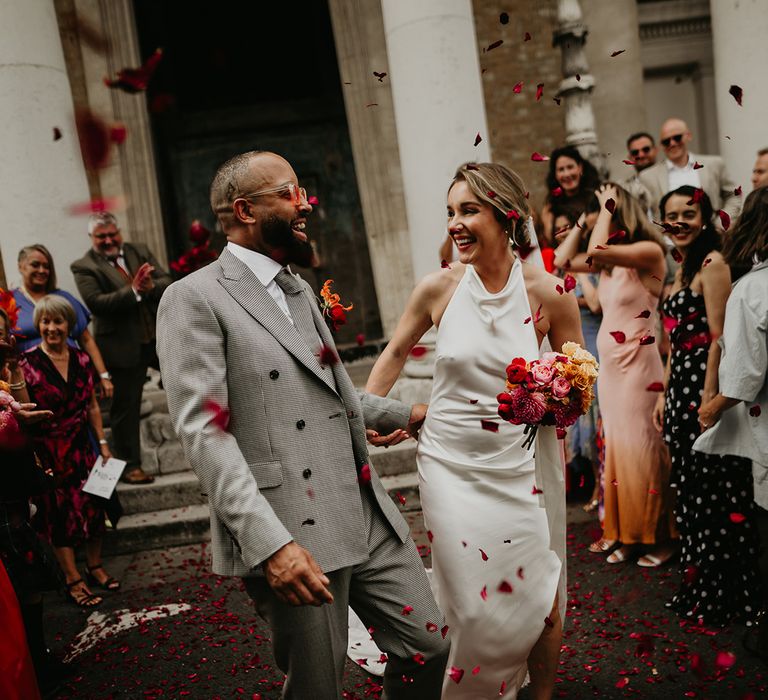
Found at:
[105, 375]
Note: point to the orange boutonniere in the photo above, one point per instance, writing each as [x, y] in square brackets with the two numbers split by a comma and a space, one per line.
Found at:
[334, 312]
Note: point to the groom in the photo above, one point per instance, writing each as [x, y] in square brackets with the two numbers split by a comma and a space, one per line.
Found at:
[278, 441]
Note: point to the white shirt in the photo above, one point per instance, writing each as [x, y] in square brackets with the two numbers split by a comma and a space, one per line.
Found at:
[683, 176]
[265, 270]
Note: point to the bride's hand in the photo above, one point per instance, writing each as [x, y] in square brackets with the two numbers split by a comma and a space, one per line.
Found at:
[394, 438]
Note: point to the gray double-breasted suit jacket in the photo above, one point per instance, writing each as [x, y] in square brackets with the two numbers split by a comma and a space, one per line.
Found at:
[286, 467]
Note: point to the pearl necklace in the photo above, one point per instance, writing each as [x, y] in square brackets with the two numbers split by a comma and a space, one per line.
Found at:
[63, 356]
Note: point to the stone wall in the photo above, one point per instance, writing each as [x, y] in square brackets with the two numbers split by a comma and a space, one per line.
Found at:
[519, 125]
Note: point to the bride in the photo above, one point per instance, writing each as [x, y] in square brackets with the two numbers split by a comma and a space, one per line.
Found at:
[495, 514]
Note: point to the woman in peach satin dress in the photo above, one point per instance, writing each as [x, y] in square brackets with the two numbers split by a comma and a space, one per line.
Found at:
[630, 255]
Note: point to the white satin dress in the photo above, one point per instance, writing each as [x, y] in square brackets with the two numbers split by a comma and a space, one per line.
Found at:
[497, 544]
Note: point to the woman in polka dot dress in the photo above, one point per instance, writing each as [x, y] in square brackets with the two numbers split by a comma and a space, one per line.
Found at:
[714, 493]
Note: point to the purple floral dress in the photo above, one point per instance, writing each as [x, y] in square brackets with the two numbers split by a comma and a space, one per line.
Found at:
[67, 516]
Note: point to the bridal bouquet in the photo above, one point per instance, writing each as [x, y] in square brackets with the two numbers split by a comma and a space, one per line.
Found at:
[554, 390]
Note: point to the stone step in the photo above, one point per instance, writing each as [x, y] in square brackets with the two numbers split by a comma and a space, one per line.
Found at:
[159, 529]
[398, 459]
[168, 491]
[404, 490]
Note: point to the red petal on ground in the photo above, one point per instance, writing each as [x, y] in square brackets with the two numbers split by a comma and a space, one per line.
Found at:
[538, 158]
[647, 340]
[539, 91]
[655, 386]
[755, 411]
[737, 93]
[616, 53]
[219, 414]
[490, 426]
[618, 336]
[478, 138]
[725, 219]
[737, 518]
[505, 587]
[456, 674]
[407, 610]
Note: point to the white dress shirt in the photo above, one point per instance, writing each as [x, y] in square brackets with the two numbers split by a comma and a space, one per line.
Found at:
[683, 176]
[265, 269]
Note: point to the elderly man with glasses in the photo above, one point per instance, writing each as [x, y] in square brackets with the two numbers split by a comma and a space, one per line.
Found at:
[681, 167]
[121, 283]
[642, 154]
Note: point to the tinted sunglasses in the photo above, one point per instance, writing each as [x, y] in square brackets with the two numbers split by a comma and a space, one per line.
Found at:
[677, 138]
[645, 150]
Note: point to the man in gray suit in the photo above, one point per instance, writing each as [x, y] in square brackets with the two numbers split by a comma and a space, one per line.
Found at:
[684, 168]
[276, 433]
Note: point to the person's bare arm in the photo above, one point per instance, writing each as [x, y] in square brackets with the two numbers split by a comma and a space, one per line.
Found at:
[97, 424]
[658, 409]
[589, 292]
[716, 284]
[567, 256]
[88, 343]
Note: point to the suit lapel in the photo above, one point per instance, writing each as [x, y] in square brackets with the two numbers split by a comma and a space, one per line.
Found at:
[131, 258]
[244, 287]
[118, 281]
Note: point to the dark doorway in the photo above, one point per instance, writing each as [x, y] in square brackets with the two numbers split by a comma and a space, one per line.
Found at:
[237, 76]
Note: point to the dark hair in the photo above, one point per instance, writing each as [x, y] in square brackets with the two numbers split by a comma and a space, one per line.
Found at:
[640, 135]
[747, 241]
[763, 152]
[707, 241]
[589, 182]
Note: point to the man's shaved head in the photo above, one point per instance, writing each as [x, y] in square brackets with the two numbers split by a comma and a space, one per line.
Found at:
[673, 126]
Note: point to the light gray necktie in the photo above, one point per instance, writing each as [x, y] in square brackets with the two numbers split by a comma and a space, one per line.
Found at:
[301, 313]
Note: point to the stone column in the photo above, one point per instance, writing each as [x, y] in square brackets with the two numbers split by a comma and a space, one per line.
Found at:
[439, 108]
[739, 34]
[41, 177]
[577, 84]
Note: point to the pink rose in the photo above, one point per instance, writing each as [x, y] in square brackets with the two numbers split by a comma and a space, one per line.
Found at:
[529, 407]
[549, 358]
[542, 374]
[561, 387]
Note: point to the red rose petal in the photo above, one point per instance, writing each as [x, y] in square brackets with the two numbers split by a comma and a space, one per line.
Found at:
[653, 492]
[538, 158]
[505, 587]
[569, 282]
[622, 682]
[697, 197]
[219, 414]
[539, 91]
[327, 356]
[557, 192]
[365, 474]
[419, 658]
[136, 79]
[618, 336]
[313, 200]
[755, 411]
[456, 674]
[484, 593]
[431, 627]
[725, 219]
[616, 236]
[527, 37]
[737, 191]
[737, 93]
[444, 264]
[430, 536]
[647, 340]
[628, 162]
[535, 490]
[418, 351]
[677, 256]
[407, 610]
[475, 670]
[548, 622]
[56, 133]
[494, 45]
[478, 138]
[610, 204]
[490, 426]
[360, 339]
[697, 165]
[483, 554]
[97, 205]
[444, 631]
[512, 214]
[517, 88]
[520, 573]
[644, 314]
[559, 289]
[118, 132]
[655, 386]
[724, 660]
[737, 518]
[400, 498]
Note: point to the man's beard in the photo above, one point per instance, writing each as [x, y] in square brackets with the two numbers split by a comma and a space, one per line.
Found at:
[286, 248]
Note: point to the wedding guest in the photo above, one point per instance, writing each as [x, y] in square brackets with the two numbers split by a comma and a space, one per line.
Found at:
[121, 283]
[642, 152]
[61, 379]
[479, 486]
[681, 167]
[760, 169]
[718, 557]
[38, 278]
[734, 420]
[571, 183]
[629, 254]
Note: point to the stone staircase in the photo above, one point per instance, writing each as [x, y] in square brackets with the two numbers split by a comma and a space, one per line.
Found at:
[172, 511]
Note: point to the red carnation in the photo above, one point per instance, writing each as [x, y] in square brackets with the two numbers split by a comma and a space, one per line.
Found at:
[516, 371]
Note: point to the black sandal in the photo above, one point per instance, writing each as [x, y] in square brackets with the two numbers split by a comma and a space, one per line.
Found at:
[111, 584]
[87, 600]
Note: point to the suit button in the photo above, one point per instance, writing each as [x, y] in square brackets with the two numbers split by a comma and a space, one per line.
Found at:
[274, 374]
[300, 424]
[350, 415]
[306, 473]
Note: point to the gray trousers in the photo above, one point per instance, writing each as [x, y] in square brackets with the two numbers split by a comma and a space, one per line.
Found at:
[310, 643]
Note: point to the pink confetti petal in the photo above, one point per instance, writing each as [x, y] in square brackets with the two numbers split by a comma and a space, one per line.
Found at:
[518, 88]
[538, 158]
[456, 674]
[407, 610]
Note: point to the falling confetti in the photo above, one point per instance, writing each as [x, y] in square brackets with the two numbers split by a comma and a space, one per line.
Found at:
[313, 200]
[327, 356]
[518, 88]
[505, 587]
[56, 133]
[616, 53]
[644, 314]
[755, 411]
[610, 204]
[647, 340]
[618, 336]
[218, 413]
[380, 76]
[407, 610]
[655, 386]
[539, 91]
[134, 80]
[725, 219]
[456, 674]
[737, 93]
[494, 45]
[490, 426]
[737, 518]
[538, 158]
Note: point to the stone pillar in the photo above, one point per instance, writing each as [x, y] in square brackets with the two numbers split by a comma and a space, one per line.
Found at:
[739, 33]
[439, 108]
[358, 32]
[577, 84]
[41, 177]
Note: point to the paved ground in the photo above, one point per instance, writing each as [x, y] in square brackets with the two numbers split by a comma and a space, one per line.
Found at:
[176, 631]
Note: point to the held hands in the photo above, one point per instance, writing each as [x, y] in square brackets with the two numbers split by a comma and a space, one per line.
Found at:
[142, 281]
[295, 577]
[709, 414]
[418, 414]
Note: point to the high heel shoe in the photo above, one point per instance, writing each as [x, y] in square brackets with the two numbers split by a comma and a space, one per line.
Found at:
[111, 584]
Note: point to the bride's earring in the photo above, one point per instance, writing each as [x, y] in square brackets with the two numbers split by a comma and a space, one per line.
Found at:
[511, 235]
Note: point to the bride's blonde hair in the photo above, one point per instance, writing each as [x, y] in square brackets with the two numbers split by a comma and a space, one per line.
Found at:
[504, 190]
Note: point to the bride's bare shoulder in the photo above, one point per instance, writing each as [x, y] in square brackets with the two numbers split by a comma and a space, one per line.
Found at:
[437, 283]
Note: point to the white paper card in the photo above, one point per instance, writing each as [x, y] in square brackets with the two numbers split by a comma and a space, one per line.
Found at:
[104, 476]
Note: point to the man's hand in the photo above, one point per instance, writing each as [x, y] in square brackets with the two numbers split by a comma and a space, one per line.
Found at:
[142, 281]
[295, 577]
[394, 438]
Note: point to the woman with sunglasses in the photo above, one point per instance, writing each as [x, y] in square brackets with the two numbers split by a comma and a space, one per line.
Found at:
[718, 571]
[38, 278]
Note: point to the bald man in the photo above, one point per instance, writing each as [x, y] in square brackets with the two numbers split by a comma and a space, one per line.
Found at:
[681, 167]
